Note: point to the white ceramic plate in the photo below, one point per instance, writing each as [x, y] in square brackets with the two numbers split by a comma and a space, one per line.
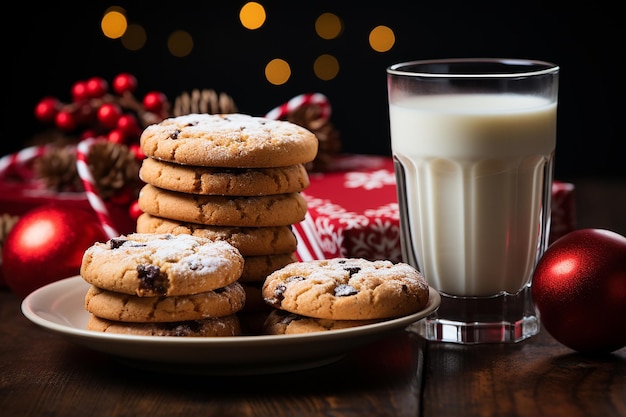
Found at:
[59, 307]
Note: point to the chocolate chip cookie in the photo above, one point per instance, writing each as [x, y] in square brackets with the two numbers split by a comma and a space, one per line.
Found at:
[149, 265]
[131, 308]
[215, 210]
[347, 289]
[229, 140]
[224, 181]
[213, 327]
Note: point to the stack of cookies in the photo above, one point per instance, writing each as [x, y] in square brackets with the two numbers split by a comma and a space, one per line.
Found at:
[164, 285]
[340, 293]
[230, 177]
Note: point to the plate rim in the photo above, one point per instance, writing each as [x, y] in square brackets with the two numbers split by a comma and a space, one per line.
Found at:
[263, 354]
[75, 282]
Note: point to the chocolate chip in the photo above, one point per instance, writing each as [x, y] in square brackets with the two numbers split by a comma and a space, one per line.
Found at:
[344, 290]
[151, 279]
[116, 242]
[288, 318]
[352, 269]
[194, 265]
[183, 328]
[294, 278]
[279, 292]
[175, 134]
[278, 296]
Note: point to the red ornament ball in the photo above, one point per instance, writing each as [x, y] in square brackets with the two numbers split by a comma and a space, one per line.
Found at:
[579, 290]
[47, 244]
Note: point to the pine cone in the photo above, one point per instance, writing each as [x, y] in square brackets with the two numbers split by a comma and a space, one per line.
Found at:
[113, 167]
[205, 101]
[309, 117]
[57, 169]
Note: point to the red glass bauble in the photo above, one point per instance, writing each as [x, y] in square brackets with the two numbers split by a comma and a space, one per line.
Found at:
[579, 290]
[47, 244]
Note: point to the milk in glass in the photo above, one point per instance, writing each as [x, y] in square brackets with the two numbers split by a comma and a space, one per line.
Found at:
[476, 170]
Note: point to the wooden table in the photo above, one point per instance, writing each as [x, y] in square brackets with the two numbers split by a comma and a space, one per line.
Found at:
[43, 374]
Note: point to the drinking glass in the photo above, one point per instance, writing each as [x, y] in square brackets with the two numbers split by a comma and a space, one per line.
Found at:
[473, 145]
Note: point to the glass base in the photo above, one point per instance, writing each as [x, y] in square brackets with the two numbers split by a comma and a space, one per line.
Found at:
[506, 318]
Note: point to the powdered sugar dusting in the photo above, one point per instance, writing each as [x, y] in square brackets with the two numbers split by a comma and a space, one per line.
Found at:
[234, 127]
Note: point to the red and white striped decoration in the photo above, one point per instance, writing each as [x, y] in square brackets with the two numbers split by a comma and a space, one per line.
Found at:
[283, 110]
[308, 246]
[91, 192]
[17, 163]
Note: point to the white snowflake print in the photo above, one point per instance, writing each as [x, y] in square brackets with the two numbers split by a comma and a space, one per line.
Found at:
[369, 180]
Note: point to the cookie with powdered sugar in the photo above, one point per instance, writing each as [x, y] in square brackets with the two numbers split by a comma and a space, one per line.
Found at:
[149, 265]
[229, 140]
[347, 289]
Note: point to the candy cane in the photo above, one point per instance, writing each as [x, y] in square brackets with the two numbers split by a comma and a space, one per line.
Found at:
[82, 151]
[18, 161]
[295, 103]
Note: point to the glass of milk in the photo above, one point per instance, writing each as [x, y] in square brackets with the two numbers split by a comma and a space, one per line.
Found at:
[473, 145]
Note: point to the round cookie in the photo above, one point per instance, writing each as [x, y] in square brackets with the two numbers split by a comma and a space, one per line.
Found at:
[131, 308]
[251, 241]
[229, 140]
[224, 181]
[282, 322]
[213, 327]
[215, 210]
[149, 265]
[347, 289]
[257, 268]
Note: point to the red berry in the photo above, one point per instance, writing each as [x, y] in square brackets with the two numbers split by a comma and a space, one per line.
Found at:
[116, 136]
[108, 114]
[96, 87]
[84, 114]
[65, 121]
[79, 91]
[124, 82]
[154, 101]
[128, 124]
[136, 149]
[47, 109]
[88, 133]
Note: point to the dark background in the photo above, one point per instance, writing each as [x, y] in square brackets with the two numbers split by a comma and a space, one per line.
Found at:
[52, 46]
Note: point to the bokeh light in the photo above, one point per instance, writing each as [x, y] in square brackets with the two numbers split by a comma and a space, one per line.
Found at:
[134, 38]
[252, 15]
[113, 23]
[328, 26]
[277, 71]
[180, 43]
[326, 67]
[382, 39]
